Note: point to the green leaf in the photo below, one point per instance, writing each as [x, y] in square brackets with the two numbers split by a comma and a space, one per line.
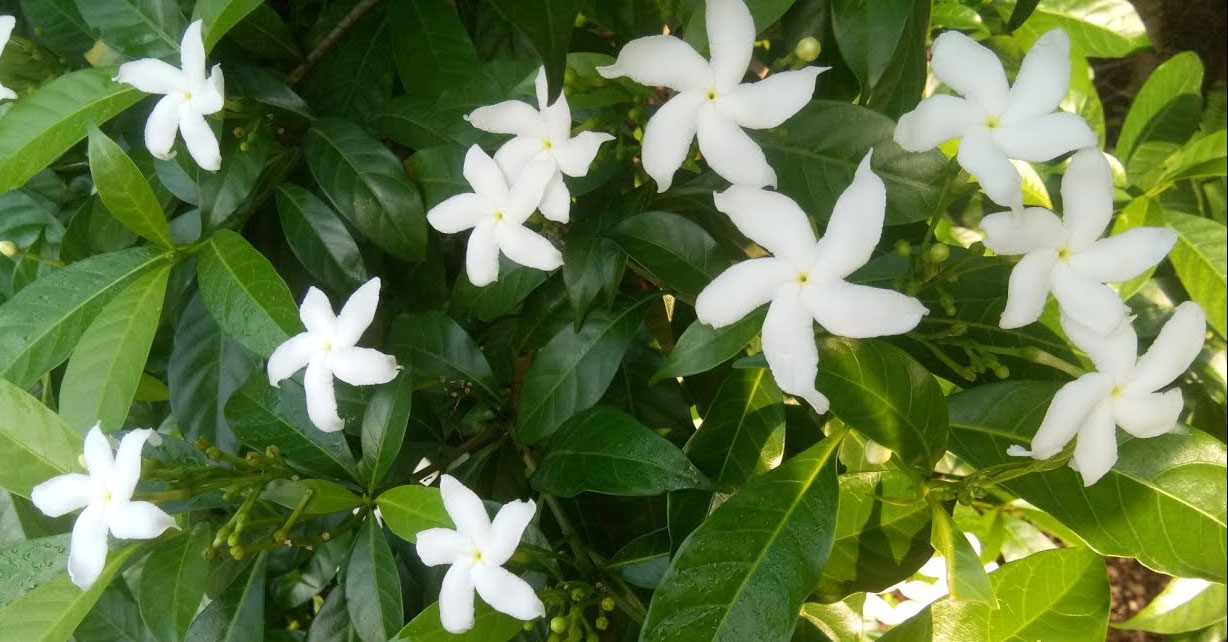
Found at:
[749, 566]
[1204, 157]
[702, 347]
[367, 184]
[372, 588]
[409, 510]
[319, 239]
[35, 444]
[1020, 14]
[51, 611]
[675, 251]
[1162, 503]
[383, 427]
[742, 433]
[262, 416]
[264, 33]
[966, 578]
[41, 324]
[237, 615]
[173, 582]
[124, 190]
[643, 561]
[592, 263]
[489, 625]
[1060, 595]
[572, 371]
[548, 25]
[878, 543]
[245, 294]
[114, 617]
[515, 283]
[106, 366]
[900, 87]
[39, 128]
[357, 77]
[332, 622]
[138, 28]
[1166, 107]
[880, 391]
[432, 50]
[818, 154]
[1200, 260]
[29, 563]
[60, 26]
[1184, 605]
[220, 16]
[1097, 28]
[326, 497]
[605, 450]
[436, 346]
[867, 32]
[418, 123]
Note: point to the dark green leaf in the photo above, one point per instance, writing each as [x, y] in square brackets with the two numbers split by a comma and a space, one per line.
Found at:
[643, 560]
[264, 86]
[548, 25]
[966, 578]
[138, 28]
[326, 497]
[357, 76]
[867, 32]
[51, 611]
[591, 262]
[438, 347]
[702, 347]
[409, 510]
[1020, 14]
[515, 283]
[383, 427]
[319, 239]
[743, 432]
[1201, 260]
[124, 190]
[114, 618]
[220, 16]
[489, 625]
[432, 51]
[676, 252]
[332, 622]
[417, 123]
[173, 582]
[237, 615]
[264, 33]
[59, 25]
[373, 590]
[245, 294]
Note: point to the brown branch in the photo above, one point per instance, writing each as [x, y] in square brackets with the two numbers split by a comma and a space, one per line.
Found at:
[330, 40]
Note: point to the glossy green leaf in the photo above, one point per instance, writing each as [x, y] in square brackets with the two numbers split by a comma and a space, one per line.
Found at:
[1020, 14]
[115, 616]
[245, 294]
[676, 252]
[332, 622]
[902, 83]
[437, 347]
[220, 16]
[1203, 157]
[106, 366]
[223, 194]
[383, 427]
[326, 497]
[138, 28]
[548, 25]
[867, 32]
[60, 26]
[172, 583]
[432, 50]
[516, 282]
[489, 625]
[643, 561]
[418, 123]
[373, 590]
[51, 611]
[742, 433]
[124, 190]
[237, 615]
[1184, 605]
[1097, 28]
[266, 34]
[29, 563]
[745, 571]
[1163, 107]
[592, 263]
[358, 75]
[702, 347]
[367, 184]
[409, 510]
[966, 577]
[1201, 260]
[1163, 502]
[35, 444]
[319, 239]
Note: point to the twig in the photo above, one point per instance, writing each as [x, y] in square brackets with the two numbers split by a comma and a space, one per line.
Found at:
[330, 40]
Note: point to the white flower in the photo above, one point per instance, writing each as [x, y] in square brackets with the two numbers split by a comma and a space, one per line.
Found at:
[6, 29]
[497, 213]
[804, 280]
[1123, 392]
[1067, 257]
[541, 133]
[106, 495]
[477, 551]
[712, 104]
[995, 122]
[190, 96]
[328, 349]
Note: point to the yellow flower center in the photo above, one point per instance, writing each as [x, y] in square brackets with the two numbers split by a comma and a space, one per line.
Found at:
[328, 346]
[803, 278]
[710, 94]
[477, 556]
[106, 496]
[547, 145]
[1064, 254]
[993, 122]
[498, 215]
[1117, 392]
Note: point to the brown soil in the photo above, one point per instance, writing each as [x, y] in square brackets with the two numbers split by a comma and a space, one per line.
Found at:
[1132, 586]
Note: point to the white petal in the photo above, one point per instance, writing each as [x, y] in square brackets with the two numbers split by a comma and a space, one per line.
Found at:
[1067, 412]
[771, 101]
[1113, 354]
[1148, 415]
[668, 135]
[316, 313]
[970, 69]
[729, 151]
[357, 313]
[788, 345]
[1087, 301]
[321, 398]
[527, 247]
[541, 87]
[731, 40]
[458, 213]
[87, 550]
[210, 97]
[772, 220]
[936, 120]
[1096, 450]
[192, 53]
[482, 255]
[440, 546]
[980, 156]
[508, 117]
[516, 154]
[292, 356]
[137, 520]
[1020, 232]
[859, 311]
[7, 23]
[1124, 256]
[456, 599]
[1043, 138]
[507, 593]
[855, 226]
[506, 531]
[63, 494]
[1178, 343]
[661, 60]
[128, 464]
[6, 93]
[484, 176]
[527, 190]
[557, 117]
[1087, 197]
[576, 155]
[1043, 78]
[99, 460]
[199, 138]
[152, 76]
[465, 508]
[1028, 288]
[556, 201]
[741, 289]
[362, 366]
[162, 126]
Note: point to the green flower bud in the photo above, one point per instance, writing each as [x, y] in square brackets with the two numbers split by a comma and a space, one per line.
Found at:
[939, 252]
[527, 626]
[602, 623]
[9, 248]
[591, 637]
[608, 604]
[807, 49]
[558, 624]
[237, 552]
[903, 248]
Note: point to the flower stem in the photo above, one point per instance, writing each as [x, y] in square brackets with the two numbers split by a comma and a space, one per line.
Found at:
[1036, 355]
[330, 41]
[583, 561]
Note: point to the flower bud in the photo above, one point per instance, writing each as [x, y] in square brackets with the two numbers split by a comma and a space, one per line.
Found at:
[237, 552]
[939, 252]
[903, 248]
[591, 637]
[807, 49]
[608, 604]
[602, 623]
[558, 624]
[9, 248]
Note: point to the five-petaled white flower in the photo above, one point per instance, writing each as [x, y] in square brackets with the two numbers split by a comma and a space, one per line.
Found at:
[477, 551]
[804, 280]
[712, 104]
[994, 121]
[1122, 393]
[190, 96]
[328, 349]
[1067, 255]
[6, 29]
[106, 495]
[497, 213]
[544, 132]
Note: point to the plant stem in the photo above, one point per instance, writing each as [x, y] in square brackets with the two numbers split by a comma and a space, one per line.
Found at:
[583, 561]
[1036, 355]
[330, 41]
